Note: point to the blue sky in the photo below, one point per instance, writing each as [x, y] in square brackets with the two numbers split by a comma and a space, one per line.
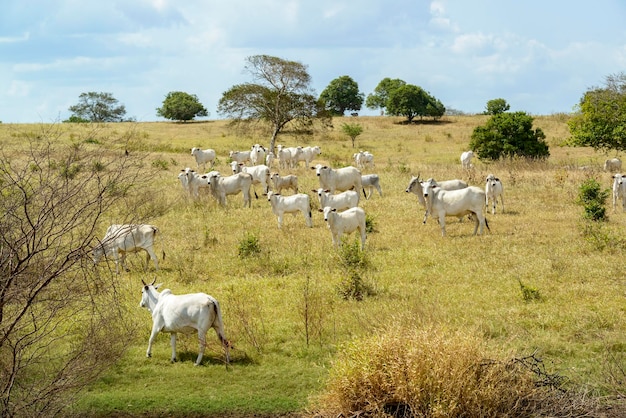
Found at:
[540, 56]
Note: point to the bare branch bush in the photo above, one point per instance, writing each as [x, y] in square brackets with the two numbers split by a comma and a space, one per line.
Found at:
[61, 323]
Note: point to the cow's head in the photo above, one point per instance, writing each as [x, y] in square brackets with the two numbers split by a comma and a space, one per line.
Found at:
[149, 295]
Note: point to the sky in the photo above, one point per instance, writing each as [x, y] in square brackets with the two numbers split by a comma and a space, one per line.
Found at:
[538, 55]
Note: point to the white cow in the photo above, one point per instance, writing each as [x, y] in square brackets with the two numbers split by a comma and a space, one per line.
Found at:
[466, 159]
[257, 154]
[182, 177]
[613, 164]
[347, 222]
[363, 159]
[371, 181]
[288, 156]
[195, 181]
[284, 182]
[240, 156]
[619, 190]
[468, 201]
[230, 185]
[415, 187]
[308, 154]
[269, 159]
[340, 179]
[183, 313]
[344, 200]
[493, 189]
[203, 157]
[291, 204]
[260, 175]
[126, 238]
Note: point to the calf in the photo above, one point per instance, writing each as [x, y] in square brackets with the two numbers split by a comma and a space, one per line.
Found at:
[344, 200]
[240, 156]
[345, 222]
[284, 182]
[183, 313]
[121, 239]
[203, 157]
[230, 185]
[493, 189]
[363, 159]
[442, 203]
[619, 190]
[290, 204]
[613, 164]
[466, 159]
[371, 181]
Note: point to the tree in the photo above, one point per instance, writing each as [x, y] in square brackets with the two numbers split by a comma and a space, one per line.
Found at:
[496, 106]
[352, 130]
[282, 95]
[98, 107]
[509, 135]
[342, 94]
[61, 323]
[601, 119]
[378, 99]
[411, 101]
[181, 106]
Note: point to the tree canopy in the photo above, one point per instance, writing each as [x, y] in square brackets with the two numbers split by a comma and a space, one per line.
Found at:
[342, 94]
[281, 94]
[509, 135]
[97, 107]
[496, 106]
[181, 106]
[378, 99]
[411, 101]
[601, 119]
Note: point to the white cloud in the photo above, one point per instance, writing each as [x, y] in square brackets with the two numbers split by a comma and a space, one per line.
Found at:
[12, 39]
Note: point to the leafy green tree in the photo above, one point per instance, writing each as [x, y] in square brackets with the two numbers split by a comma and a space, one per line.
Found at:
[601, 119]
[352, 130]
[509, 135]
[181, 106]
[281, 95]
[378, 99]
[496, 106]
[98, 107]
[342, 94]
[411, 101]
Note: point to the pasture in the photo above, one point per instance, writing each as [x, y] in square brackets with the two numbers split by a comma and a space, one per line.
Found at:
[279, 290]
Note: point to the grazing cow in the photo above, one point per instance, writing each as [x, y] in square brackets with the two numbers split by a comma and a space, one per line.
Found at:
[340, 180]
[284, 182]
[363, 159]
[415, 187]
[126, 238]
[257, 154]
[619, 190]
[344, 200]
[468, 201]
[613, 164]
[466, 159]
[347, 222]
[308, 154]
[291, 204]
[371, 181]
[288, 156]
[183, 313]
[260, 175]
[240, 156]
[493, 189]
[203, 157]
[230, 185]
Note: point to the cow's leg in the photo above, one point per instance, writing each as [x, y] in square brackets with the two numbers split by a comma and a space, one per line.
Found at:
[173, 344]
[442, 224]
[151, 255]
[308, 219]
[153, 335]
[280, 220]
[502, 201]
[202, 345]
[362, 231]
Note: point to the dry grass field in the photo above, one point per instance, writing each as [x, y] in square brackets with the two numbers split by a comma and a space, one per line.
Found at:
[282, 304]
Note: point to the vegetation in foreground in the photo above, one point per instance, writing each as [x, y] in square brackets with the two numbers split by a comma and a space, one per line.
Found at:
[286, 294]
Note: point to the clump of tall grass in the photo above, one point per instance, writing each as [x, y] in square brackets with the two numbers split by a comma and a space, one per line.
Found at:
[428, 373]
[593, 199]
[354, 262]
[249, 245]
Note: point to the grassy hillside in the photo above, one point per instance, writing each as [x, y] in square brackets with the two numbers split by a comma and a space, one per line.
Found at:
[282, 306]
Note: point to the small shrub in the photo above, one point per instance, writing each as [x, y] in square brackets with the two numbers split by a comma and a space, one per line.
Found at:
[351, 256]
[593, 199]
[353, 287]
[529, 293]
[160, 164]
[370, 225]
[249, 245]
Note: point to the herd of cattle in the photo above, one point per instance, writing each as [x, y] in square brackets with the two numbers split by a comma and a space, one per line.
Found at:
[338, 195]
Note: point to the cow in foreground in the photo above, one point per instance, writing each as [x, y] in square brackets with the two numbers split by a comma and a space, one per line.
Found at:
[230, 185]
[183, 313]
[619, 191]
[369, 182]
[121, 239]
[442, 203]
[415, 187]
[466, 159]
[203, 157]
[340, 179]
[291, 204]
[347, 222]
[613, 164]
[493, 190]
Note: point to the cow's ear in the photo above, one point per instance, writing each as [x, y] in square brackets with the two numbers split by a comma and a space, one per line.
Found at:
[312, 168]
[157, 285]
[320, 210]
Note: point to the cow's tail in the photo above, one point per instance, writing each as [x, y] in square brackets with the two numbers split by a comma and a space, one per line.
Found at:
[218, 325]
[487, 225]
